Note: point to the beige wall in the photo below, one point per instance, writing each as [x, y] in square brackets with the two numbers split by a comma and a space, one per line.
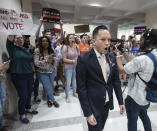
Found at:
[11, 95]
[113, 30]
[27, 6]
[151, 18]
[11, 4]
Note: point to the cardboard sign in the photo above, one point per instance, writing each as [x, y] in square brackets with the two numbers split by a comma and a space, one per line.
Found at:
[81, 29]
[12, 22]
[51, 15]
[139, 30]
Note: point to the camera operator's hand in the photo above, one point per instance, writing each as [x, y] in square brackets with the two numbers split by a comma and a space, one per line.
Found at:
[117, 52]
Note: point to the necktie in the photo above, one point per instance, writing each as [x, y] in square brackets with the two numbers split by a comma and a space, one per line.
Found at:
[103, 68]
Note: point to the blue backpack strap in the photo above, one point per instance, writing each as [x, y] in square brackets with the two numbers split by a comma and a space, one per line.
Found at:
[153, 58]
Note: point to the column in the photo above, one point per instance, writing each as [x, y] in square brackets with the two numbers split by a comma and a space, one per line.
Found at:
[11, 95]
[151, 18]
[113, 30]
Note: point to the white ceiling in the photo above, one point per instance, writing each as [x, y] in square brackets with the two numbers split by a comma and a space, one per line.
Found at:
[123, 12]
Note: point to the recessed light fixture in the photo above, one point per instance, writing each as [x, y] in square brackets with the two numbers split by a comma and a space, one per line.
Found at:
[95, 4]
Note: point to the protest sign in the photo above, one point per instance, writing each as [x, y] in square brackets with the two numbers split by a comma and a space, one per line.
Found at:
[51, 15]
[12, 22]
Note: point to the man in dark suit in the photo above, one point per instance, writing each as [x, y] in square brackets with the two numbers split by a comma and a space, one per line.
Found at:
[96, 76]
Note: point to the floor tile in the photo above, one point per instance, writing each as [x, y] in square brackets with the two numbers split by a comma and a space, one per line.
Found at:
[77, 127]
[66, 110]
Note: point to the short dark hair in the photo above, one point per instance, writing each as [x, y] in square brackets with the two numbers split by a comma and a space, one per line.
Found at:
[96, 30]
[81, 36]
[151, 34]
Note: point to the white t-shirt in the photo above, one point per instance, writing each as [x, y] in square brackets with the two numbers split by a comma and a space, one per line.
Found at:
[136, 87]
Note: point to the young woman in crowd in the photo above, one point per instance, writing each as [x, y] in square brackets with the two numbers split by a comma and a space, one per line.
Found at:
[70, 54]
[45, 60]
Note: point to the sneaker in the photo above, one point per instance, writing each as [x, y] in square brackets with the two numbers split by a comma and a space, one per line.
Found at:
[56, 87]
[24, 120]
[67, 100]
[75, 95]
[55, 103]
[49, 103]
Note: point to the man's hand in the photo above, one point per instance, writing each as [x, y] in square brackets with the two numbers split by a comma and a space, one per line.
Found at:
[91, 120]
[117, 52]
[122, 109]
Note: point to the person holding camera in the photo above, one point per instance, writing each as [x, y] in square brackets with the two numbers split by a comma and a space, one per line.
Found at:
[45, 62]
[136, 103]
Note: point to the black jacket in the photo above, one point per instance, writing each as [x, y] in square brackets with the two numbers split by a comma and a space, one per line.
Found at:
[91, 86]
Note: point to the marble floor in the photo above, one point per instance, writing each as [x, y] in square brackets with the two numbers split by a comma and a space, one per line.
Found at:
[69, 117]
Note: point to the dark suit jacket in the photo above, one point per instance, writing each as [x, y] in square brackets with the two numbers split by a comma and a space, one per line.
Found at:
[91, 86]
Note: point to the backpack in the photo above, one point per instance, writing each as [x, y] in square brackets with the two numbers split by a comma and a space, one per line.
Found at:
[151, 85]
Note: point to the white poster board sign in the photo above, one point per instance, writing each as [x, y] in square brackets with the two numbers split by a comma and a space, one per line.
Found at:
[12, 22]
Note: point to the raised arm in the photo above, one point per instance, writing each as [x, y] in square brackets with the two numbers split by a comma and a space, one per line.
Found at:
[39, 27]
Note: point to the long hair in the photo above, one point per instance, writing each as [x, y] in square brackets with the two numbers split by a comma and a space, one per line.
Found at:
[41, 49]
[67, 39]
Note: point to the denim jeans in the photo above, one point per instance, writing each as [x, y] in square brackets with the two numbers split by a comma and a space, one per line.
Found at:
[133, 111]
[47, 80]
[24, 86]
[2, 101]
[70, 76]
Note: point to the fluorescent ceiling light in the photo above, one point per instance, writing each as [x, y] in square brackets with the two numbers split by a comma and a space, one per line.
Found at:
[95, 4]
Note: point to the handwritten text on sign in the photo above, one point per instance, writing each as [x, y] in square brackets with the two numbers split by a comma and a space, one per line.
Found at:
[12, 22]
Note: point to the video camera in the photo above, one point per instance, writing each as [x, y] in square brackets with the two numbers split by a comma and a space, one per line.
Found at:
[119, 44]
